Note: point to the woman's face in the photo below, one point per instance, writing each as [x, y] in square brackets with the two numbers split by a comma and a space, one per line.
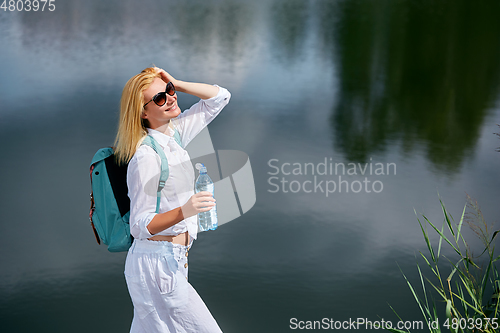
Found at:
[159, 115]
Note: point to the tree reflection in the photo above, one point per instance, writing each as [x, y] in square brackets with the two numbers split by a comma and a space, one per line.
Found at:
[418, 73]
[289, 18]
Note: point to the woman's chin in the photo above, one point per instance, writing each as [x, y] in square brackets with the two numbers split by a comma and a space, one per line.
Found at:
[173, 109]
[175, 112]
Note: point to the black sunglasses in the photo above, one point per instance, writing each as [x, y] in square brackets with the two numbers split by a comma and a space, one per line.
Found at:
[161, 98]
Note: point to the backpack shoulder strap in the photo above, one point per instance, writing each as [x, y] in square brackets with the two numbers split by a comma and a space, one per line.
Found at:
[101, 154]
[150, 141]
[177, 137]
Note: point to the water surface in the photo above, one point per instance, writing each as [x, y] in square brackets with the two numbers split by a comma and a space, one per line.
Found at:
[410, 83]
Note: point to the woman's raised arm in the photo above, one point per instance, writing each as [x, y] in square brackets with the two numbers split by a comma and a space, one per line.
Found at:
[200, 90]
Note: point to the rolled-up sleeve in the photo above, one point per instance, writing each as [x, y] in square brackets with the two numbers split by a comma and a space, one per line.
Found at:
[198, 116]
[143, 175]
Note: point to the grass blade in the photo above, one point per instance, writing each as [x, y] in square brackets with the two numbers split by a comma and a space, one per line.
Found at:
[440, 241]
[427, 239]
[455, 267]
[459, 228]
[417, 299]
[442, 235]
[446, 218]
[398, 318]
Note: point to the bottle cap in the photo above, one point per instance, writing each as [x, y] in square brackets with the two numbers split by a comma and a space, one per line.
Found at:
[201, 167]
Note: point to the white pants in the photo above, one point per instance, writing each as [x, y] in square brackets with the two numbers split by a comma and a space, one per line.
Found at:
[164, 300]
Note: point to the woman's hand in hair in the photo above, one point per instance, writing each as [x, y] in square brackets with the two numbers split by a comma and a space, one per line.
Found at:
[199, 202]
[166, 77]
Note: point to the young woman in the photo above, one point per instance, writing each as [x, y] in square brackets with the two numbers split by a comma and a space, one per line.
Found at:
[156, 268]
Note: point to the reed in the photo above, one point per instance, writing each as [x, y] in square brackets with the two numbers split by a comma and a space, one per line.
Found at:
[470, 292]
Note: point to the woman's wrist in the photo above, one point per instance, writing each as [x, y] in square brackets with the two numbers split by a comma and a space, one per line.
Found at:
[180, 86]
[200, 90]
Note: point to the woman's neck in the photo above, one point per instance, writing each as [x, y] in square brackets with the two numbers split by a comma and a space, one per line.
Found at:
[162, 128]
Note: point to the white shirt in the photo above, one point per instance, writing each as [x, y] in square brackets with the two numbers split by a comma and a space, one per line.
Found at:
[143, 173]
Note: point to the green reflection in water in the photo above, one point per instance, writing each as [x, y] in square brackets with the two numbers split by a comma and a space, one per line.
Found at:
[288, 29]
[413, 72]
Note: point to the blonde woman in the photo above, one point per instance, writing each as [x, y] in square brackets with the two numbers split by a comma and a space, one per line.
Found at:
[156, 268]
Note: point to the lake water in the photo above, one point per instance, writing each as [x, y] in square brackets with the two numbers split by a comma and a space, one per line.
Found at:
[409, 85]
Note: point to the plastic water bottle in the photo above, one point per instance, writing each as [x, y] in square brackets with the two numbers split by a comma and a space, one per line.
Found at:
[206, 220]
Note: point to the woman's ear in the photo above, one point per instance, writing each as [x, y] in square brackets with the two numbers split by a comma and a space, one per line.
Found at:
[144, 115]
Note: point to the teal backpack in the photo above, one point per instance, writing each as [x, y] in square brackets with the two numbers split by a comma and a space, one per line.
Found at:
[109, 202]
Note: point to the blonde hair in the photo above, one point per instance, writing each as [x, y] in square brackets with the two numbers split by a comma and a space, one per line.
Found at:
[132, 128]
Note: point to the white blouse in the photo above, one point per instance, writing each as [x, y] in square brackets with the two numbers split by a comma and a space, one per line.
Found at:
[143, 173]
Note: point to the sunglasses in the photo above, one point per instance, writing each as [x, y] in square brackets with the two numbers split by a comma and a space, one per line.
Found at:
[161, 98]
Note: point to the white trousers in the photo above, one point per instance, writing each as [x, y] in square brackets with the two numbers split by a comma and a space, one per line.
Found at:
[164, 301]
